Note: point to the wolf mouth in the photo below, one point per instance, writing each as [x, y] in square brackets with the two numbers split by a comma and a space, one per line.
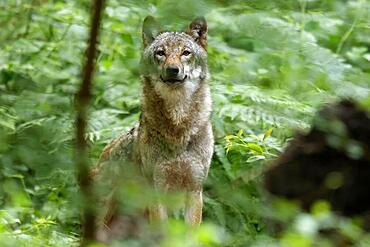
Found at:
[173, 81]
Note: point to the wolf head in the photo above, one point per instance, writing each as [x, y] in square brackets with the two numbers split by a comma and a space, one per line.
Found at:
[175, 60]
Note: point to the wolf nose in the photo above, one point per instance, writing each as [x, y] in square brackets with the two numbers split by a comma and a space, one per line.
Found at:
[172, 71]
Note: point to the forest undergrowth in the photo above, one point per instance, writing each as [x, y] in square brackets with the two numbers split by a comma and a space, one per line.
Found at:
[272, 65]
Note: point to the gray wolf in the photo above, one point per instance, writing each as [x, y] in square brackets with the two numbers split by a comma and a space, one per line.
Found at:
[172, 146]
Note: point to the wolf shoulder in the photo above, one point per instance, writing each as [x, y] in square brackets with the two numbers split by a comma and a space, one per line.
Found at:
[120, 149]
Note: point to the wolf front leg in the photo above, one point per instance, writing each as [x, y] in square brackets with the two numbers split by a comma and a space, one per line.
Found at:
[193, 207]
[157, 212]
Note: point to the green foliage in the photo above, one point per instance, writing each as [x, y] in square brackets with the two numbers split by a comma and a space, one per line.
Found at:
[257, 148]
[273, 63]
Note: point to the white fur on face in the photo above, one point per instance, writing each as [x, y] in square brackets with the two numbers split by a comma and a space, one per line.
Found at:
[193, 74]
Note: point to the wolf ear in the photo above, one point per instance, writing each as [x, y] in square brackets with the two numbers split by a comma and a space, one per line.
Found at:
[151, 29]
[198, 30]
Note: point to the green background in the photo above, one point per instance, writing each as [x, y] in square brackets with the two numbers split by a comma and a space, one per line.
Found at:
[272, 65]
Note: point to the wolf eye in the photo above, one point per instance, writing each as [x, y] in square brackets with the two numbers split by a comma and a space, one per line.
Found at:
[160, 53]
[186, 53]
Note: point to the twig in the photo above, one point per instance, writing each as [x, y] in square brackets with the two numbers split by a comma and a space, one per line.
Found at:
[82, 100]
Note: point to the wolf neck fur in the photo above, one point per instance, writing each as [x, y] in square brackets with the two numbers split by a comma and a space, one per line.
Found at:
[176, 113]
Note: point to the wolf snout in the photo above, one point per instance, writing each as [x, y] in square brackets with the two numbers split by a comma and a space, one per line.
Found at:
[172, 75]
[172, 71]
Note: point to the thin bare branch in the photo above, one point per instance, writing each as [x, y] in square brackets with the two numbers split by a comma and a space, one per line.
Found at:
[83, 98]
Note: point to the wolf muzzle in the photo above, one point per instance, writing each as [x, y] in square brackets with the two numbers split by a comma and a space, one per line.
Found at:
[172, 75]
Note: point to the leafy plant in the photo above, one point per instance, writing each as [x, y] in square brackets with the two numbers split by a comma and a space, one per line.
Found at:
[272, 65]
